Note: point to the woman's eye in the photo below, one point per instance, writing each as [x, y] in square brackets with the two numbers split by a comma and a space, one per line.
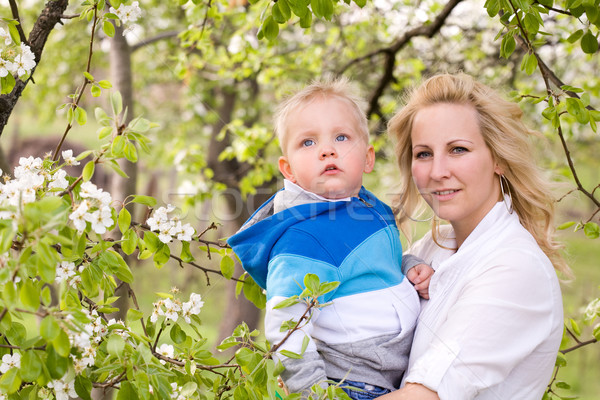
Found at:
[341, 138]
[422, 154]
[308, 142]
[458, 150]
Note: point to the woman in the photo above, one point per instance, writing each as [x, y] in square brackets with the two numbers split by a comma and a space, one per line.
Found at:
[494, 321]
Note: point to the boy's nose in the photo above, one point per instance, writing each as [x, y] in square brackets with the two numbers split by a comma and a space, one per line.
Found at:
[327, 153]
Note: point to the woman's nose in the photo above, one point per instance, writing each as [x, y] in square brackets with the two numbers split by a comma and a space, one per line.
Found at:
[439, 168]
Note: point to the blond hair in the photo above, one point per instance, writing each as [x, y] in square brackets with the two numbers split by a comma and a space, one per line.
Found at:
[507, 137]
[339, 88]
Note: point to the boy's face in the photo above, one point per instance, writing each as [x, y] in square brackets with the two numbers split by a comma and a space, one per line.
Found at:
[324, 150]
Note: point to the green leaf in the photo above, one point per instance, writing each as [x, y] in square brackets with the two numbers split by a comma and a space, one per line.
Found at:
[29, 295]
[8, 83]
[566, 225]
[162, 255]
[529, 63]
[61, 344]
[118, 146]
[270, 28]
[227, 266]
[104, 84]
[83, 387]
[575, 327]
[116, 102]
[300, 8]
[80, 116]
[88, 170]
[322, 8]
[575, 108]
[291, 354]
[591, 230]
[10, 381]
[134, 315]
[96, 91]
[88, 76]
[124, 220]
[177, 334]
[49, 328]
[306, 20]
[186, 254]
[575, 36]
[14, 33]
[508, 45]
[492, 7]
[115, 345]
[130, 152]
[146, 200]
[531, 23]
[57, 366]
[127, 391]
[31, 366]
[589, 43]
[287, 302]
[129, 242]
[312, 283]
[108, 28]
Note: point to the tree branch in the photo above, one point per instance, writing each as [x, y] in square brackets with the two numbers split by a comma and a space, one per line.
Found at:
[154, 39]
[427, 30]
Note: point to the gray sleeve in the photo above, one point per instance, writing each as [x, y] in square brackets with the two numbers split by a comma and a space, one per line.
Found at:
[300, 374]
[409, 261]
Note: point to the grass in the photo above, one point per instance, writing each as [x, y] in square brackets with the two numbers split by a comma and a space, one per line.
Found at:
[582, 370]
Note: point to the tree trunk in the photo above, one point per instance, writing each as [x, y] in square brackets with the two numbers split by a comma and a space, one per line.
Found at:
[49, 17]
[228, 172]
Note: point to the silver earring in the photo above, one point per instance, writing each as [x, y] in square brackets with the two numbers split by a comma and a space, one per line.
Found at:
[506, 193]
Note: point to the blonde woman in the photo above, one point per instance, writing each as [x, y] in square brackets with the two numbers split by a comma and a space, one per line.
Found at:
[494, 321]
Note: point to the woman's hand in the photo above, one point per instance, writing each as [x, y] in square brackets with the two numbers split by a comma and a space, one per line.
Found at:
[412, 391]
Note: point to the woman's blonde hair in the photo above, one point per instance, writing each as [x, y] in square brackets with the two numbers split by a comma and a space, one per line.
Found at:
[506, 136]
[340, 88]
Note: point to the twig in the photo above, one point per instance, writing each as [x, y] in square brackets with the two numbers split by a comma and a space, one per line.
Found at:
[75, 104]
[304, 316]
[14, 8]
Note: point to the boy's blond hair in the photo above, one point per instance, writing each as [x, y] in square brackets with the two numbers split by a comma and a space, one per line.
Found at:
[339, 88]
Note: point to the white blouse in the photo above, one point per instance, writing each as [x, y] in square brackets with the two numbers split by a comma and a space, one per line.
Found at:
[494, 323]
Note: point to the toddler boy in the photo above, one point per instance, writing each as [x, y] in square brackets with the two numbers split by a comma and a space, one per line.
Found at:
[324, 222]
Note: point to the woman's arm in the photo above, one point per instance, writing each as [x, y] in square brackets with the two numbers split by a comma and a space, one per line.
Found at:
[412, 391]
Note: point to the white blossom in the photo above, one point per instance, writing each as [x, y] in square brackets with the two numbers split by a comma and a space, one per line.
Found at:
[24, 62]
[6, 66]
[165, 350]
[10, 361]
[6, 35]
[592, 310]
[183, 232]
[67, 155]
[171, 309]
[63, 390]
[58, 180]
[100, 220]
[78, 216]
[127, 13]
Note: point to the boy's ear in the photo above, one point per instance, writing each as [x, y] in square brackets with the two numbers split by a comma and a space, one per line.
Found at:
[370, 159]
[286, 169]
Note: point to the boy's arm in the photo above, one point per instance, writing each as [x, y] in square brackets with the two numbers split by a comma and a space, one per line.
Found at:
[418, 273]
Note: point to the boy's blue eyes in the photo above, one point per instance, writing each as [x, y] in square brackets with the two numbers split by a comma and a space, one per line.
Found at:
[310, 142]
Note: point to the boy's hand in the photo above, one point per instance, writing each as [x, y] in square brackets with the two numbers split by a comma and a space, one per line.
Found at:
[420, 275]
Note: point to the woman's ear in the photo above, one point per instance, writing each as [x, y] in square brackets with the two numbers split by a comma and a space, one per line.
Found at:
[286, 169]
[370, 159]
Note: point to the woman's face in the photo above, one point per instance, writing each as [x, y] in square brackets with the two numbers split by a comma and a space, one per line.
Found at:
[452, 166]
